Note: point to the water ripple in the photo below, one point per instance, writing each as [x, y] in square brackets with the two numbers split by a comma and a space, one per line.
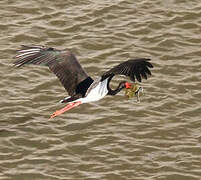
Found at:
[114, 138]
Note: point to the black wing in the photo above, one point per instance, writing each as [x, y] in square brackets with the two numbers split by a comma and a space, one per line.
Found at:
[61, 62]
[134, 68]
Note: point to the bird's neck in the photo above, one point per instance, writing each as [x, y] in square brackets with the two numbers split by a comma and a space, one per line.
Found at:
[115, 91]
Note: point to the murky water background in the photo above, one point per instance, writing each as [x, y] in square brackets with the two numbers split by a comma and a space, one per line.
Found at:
[115, 138]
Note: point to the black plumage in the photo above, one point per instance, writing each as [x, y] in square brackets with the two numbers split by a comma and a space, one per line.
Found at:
[62, 63]
[75, 80]
[134, 68]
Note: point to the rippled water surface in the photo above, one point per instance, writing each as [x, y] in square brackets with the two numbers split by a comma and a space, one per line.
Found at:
[115, 138]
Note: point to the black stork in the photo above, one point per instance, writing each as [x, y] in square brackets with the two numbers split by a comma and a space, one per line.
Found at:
[79, 85]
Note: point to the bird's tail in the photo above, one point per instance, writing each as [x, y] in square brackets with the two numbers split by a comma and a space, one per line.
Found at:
[71, 98]
[66, 100]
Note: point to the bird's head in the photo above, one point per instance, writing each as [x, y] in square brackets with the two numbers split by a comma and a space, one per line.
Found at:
[127, 85]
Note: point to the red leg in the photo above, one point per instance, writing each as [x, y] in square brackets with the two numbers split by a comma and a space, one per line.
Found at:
[66, 108]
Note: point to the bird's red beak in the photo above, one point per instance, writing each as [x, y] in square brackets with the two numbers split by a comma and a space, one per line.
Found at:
[66, 108]
[128, 85]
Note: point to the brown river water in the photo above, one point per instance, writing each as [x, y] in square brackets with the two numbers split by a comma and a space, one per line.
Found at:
[115, 138]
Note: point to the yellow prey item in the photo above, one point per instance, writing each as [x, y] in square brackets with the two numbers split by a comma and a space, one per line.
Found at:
[134, 91]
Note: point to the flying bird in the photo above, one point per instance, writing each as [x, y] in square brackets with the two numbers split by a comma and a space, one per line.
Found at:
[79, 85]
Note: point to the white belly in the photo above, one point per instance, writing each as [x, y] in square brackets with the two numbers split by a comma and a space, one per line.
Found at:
[99, 92]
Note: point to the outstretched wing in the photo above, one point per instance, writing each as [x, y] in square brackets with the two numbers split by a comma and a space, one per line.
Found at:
[61, 62]
[134, 68]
